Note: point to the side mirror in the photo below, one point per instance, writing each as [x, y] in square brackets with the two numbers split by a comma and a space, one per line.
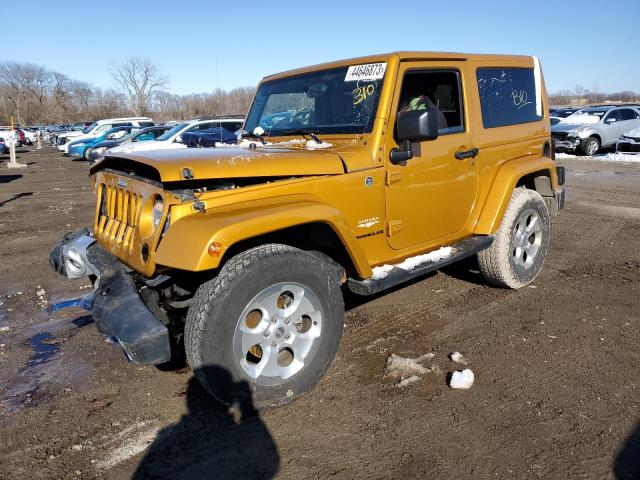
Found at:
[412, 127]
[179, 139]
[611, 120]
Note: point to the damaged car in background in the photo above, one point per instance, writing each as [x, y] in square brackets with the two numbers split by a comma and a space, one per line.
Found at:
[590, 129]
[629, 142]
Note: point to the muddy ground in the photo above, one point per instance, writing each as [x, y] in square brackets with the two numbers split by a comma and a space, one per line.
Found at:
[557, 364]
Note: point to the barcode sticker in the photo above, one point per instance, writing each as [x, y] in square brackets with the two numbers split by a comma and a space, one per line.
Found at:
[369, 71]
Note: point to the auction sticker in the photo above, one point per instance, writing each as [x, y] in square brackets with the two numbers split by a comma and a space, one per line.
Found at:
[368, 71]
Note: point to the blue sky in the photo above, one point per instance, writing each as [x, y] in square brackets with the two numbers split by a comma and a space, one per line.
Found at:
[593, 43]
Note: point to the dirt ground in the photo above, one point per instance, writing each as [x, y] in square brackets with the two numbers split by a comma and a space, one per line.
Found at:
[557, 364]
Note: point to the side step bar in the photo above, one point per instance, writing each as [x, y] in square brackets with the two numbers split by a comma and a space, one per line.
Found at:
[465, 248]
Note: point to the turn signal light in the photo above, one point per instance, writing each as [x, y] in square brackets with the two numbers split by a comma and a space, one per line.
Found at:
[215, 249]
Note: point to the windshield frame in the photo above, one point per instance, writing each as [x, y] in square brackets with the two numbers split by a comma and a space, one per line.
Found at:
[324, 130]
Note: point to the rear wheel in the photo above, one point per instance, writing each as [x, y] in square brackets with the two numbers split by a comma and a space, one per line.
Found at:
[521, 243]
[268, 325]
[589, 146]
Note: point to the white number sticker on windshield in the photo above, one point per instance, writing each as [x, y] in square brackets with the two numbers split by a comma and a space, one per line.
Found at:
[369, 71]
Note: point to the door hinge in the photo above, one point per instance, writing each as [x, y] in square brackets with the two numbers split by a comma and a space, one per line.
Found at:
[393, 227]
[393, 177]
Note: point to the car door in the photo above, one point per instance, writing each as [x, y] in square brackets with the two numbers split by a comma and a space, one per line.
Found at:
[431, 195]
[630, 119]
[612, 127]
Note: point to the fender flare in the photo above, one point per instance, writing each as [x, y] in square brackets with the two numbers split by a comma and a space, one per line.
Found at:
[503, 185]
[185, 245]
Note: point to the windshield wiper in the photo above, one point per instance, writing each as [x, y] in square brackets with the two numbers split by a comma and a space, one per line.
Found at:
[246, 134]
[303, 132]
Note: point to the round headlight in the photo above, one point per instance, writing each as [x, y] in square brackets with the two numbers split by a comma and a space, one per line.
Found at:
[158, 208]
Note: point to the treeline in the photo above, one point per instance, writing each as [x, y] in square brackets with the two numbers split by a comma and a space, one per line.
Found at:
[581, 94]
[36, 95]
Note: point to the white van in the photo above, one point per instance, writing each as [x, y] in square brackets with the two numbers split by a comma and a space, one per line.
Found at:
[99, 127]
[172, 139]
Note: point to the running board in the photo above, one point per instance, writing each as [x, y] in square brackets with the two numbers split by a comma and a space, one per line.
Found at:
[465, 248]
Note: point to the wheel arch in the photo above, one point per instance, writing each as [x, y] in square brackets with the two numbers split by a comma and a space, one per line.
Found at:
[537, 174]
[309, 226]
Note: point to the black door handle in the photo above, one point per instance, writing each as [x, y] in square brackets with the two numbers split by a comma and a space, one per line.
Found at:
[467, 154]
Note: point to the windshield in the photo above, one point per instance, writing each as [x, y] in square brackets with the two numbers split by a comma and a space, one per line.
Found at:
[340, 100]
[89, 128]
[170, 133]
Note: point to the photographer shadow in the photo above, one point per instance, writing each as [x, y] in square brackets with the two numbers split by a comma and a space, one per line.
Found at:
[212, 441]
[626, 465]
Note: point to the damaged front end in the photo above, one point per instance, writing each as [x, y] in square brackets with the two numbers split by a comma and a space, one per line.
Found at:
[116, 305]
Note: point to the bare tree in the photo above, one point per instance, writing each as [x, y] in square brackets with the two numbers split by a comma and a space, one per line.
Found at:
[139, 78]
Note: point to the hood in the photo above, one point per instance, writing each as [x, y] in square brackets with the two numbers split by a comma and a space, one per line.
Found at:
[567, 127]
[235, 162]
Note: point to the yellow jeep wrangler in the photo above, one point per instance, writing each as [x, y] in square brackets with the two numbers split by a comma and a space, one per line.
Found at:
[359, 174]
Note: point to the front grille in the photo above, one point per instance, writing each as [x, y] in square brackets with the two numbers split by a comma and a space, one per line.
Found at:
[559, 136]
[119, 215]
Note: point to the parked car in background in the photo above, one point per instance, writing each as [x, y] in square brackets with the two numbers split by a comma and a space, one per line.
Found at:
[80, 148]
[557, 114]
[629, 142]
[101, 126]
[64, 134]
[30, 135]
[3, 147]
[98, 150]
[209, 138]
[172, 139]
[589, 129]
[10, 135]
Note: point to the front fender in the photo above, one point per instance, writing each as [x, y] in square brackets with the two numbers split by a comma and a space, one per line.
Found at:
[185, 245]
[502, 187]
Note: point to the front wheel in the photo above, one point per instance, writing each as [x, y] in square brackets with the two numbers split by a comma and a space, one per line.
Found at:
[589, 146]
[86, 153]
[268, 325]
[521, 243]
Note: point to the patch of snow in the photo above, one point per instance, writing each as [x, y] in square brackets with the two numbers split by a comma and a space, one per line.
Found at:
[565, 155]
[580, 119]
[313, 145]
[128, 443]
[462, 380]
[619, 157]
[458, 358]
[403, 367]
[408, 370]
[295, 142]
[258, 131]
[408, 381]
[412, 262]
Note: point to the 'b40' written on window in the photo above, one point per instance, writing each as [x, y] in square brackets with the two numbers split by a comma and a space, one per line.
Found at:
[507, 96]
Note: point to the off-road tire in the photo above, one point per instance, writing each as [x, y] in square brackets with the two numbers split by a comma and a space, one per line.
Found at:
[218, 304]
[497, 263]
[589, 146]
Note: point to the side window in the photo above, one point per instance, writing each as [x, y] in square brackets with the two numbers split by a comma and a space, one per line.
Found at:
[507, 96]
[628, 114]
[439, 89]
[145, 137]
[146, 124]
[232, 126]
[612, 117]
[204, 126]
[103, 128]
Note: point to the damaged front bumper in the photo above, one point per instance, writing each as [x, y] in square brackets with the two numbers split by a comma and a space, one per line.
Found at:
[566, 144]
[115, 303]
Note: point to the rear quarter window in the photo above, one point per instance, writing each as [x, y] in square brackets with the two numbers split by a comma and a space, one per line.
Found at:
[507, 96]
